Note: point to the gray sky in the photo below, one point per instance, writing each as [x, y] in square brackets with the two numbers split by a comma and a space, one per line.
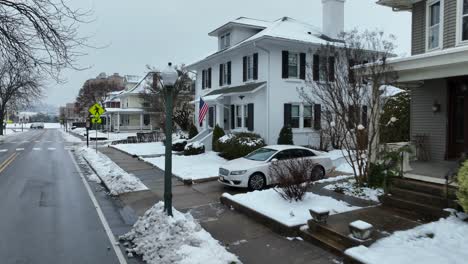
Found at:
[141, 32]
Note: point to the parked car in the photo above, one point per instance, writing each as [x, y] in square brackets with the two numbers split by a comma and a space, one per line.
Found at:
[253, 170]
[37, 126]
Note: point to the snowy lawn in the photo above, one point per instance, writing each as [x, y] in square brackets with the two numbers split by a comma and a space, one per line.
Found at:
[116, 179]
[349, 188]
[69, 138]
[333, 179]
[160, 239]
[109, 136]
[195, 167]
[338, 159]
[444, 241]
[271, 204]
[142, 149]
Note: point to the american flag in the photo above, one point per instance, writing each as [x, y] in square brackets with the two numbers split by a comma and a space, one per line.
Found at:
[203, 109]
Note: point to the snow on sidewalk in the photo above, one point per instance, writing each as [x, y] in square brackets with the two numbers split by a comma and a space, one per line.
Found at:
[444, 241]
[195, 167]
[142, 149]
[349, 188]
[271, 204]
[115, 178]
[69, 138]
[160, 239]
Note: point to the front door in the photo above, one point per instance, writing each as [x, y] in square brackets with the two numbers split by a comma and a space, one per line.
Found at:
[458, 117]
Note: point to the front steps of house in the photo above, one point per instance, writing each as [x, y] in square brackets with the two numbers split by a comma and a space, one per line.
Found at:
[427, 200]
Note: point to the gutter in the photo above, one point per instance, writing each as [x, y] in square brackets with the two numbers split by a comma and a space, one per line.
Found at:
[267, 90]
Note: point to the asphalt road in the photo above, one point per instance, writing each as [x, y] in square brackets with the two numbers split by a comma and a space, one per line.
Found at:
[46, 214]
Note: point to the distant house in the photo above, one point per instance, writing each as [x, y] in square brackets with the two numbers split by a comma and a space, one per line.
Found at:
[438, 77]
[250, 83]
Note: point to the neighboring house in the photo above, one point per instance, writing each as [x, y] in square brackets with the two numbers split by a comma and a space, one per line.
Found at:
[251, 82]
[438, 77]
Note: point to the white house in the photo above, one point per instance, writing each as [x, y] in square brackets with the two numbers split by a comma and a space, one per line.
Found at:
[251, 82]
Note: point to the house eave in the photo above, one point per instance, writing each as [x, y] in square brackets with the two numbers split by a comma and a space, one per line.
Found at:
[399, 5]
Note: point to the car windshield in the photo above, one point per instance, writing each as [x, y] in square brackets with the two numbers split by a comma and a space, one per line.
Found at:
[261, 154]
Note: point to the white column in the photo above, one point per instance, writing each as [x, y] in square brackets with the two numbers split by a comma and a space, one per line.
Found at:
[220, 115]
[141, 121]
[118, 122]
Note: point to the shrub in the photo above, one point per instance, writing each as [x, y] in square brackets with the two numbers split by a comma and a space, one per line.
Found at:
[462, 193]
[179, 145]
[193, 131]
[285, 136]
[293, 177]
[397, 107]
[194, 148]
[235, 146]
[217, 134]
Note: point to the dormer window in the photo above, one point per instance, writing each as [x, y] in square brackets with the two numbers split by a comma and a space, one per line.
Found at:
[225, 41]
[434, 28]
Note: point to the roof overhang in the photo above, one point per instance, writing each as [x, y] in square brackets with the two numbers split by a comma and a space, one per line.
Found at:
[218, 94]
[231, 25]
[124, 110]
[399, 5]
[438, 64]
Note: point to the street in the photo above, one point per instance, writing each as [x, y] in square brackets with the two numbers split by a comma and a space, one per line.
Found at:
[47, 214]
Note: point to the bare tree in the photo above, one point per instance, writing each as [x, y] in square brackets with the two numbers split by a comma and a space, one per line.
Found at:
[348, 80]
[19, 86]
[95, 91]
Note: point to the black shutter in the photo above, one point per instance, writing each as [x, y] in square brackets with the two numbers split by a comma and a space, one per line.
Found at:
[229, 73]
[351, 77]
[317, 116]
[364, 116]
[233, 116]
[352, 116]
[302, 64]
[316, 68]
[221, 75]
[255, 66]
[287, 115]
[285, 71]
[244, 69]
[250, 117]
[209, 78]
[211, 117]
[331, 69]
[203, 79]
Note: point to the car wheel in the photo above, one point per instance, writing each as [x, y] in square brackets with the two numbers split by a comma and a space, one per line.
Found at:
[257, 182]
[317, 173]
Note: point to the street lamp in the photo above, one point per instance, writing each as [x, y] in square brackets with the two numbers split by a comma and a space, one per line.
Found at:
[168, 79]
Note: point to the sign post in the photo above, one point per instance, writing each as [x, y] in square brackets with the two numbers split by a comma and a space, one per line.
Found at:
[88, 124]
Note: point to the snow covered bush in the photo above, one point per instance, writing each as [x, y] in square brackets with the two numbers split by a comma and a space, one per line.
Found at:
[293, 177]
[238, 145]
[218, 133]
[179, 239]
[179, 145]
[194, 148]
[285, 136]
[462, 193]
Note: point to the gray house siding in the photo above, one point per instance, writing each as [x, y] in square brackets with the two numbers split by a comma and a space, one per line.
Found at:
[418, 28]
[425, 121]
[450, 23]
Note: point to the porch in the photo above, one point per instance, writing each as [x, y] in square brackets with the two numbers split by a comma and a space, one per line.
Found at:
[431, 171]
[126, 119]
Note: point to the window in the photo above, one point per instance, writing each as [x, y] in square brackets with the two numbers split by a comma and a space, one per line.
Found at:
[238, 116]
[146, 119]
[250, 68]
[434, 27]
[225, 41]
[293, 65]
[225, 74]
[462, 27]
[307, 114]
[246, 115]
[295, 116]
[206, 78]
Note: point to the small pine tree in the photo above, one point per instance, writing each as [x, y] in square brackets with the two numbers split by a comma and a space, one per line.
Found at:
[193, 131]
[218, 132]
[285, 136]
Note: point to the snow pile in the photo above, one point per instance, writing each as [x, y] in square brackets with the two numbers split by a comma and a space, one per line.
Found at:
[179, 239]
[333, 179]
[116, 179]
[195, 167]
[225, 138]
[269, 203]
[69, 138]
[142, 149]
[194, 145]
[444, 241]
[349, 188]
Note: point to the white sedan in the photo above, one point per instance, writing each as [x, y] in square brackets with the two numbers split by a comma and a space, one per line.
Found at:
[253, 170]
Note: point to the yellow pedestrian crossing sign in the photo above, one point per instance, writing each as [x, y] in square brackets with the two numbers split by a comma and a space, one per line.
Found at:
[96, 120]
[96, 110]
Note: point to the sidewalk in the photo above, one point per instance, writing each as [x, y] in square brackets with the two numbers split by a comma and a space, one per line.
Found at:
[249, 240]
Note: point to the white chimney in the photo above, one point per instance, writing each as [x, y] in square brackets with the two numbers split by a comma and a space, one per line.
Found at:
[333, 17]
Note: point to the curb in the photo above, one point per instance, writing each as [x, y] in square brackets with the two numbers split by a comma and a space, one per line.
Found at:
[97, 174]
[277, 227]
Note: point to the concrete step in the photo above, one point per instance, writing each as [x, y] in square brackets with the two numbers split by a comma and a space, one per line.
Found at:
[426, 211]
[424, 187]
[422, 198]
[323, 241]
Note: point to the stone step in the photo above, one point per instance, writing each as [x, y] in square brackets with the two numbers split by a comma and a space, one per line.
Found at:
[322, 241]
[422, 198]
[426, 211]
[424, 187]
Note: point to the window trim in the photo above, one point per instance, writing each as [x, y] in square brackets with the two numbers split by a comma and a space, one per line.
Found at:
[250, 68]
[459, 24]
[224, 40]
[298, 59]
[430, 3]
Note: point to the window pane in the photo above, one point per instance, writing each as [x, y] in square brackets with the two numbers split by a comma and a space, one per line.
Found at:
[307, 111]
[465, 28]
[465, 7]
[308, 122]
[435, 14]
[295, 111]
[295, 122]
[434, 37]
[293, 65]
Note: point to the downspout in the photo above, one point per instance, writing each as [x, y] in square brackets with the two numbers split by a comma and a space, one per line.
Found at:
[267, 92]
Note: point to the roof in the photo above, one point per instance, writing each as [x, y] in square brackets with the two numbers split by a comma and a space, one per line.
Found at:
[243, 22]
[285, 28]
[398, 4]
[124, 110]
[140, 86]
[247, 88]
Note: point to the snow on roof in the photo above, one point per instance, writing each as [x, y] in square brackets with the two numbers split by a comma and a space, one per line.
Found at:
[389, 91]
[243, 21]
[140, 86]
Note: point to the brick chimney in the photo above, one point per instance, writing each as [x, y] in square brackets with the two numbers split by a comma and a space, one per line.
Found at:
[333, 17]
